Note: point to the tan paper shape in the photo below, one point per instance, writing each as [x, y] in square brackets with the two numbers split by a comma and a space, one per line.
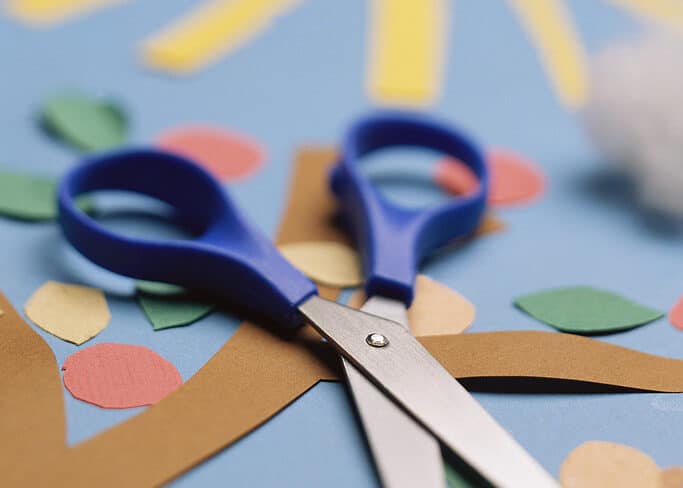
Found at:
[598, 464]
[328, 263]
[73, 313]
[255, 375]
[671, 477]
[32, 424]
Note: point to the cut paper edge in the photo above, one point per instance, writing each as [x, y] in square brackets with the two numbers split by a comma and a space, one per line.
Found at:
[676, 314]
[228, 155]
[436, 308]
[48, 12]
[210, 32]
[73, 313]
[551, 29]
[597, 464]
[119, 376]
[668, 12]
[406, 51]
[325, 262]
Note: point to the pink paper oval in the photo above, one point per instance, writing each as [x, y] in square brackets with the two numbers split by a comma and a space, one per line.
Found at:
[119, 376]
[676, 314]
[513, 178]
[227, 155]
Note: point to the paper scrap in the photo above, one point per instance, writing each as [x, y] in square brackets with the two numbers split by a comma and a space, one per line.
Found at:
[585, 310]
[406, 56]
[513, 178]
[671, 477]
[226, 154]
[119, 376]
[73, 313]
[214, 29]
[436, 309]
[554, 35]
[676, 314]
[41, 12]
[27, 197]
[598, 464]
[169, 306]
[663, 11]
[32, 422]
[84, 122]
[455, 480]
[328, 263]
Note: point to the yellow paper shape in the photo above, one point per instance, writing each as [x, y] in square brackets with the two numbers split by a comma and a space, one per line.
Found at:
[436, 309]
[325, 262]
[406, 54]
[213, 30]
[52, 11]
[551, 29]
[598, 464]
[73, 313]
[666, 11]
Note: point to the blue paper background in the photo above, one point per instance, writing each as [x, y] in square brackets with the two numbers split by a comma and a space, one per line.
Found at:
[302, 81]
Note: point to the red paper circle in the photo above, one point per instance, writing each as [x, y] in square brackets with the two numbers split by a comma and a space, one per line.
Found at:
[119, 376]
[227, 155]
[676, 314]
[513, 179]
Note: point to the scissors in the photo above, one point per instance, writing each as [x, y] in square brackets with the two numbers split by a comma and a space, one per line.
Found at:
[407, 401]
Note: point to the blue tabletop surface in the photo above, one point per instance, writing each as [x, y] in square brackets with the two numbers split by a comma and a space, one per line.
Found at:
[302, 81]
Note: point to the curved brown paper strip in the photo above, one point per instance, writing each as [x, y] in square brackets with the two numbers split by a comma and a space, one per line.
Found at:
[32, 422]
[255, 375]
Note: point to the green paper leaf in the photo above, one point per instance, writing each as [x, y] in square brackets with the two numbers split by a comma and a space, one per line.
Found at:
[84, 122]
[28, 197]
[169, 306]
[586, 310]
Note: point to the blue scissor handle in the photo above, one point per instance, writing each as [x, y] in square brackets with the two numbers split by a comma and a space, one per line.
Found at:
[394, 239]
[229, 258]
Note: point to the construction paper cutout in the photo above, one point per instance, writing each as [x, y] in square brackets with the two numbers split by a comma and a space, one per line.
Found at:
[143, 451]
[551, 29]
[119, 376]
[84, 122]
[598, 464]
[214, 29]
[228, 155]
[513, 178]
[585, 310]
[671, 477]
[73, 313]
[436, 309]
[27, 197]
[41, 12]
[167, 306]
[455, 479]
[664, 11]
[328, 263]
[32, 423]
[676, 314]
[406, 54]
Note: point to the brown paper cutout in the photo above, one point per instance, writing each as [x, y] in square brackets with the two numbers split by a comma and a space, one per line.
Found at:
[436, 309]
[32, 423]
[254, 376]
[671, 477]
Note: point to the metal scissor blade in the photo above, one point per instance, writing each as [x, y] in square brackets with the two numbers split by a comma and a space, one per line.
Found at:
[416, 381]
[405, 454]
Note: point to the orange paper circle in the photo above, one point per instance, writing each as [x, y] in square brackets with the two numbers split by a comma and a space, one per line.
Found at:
[676, 314]
[227, 155]
[513, 178]
[119, 376]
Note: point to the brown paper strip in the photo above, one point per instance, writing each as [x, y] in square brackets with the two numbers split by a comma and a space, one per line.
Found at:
[32, 425]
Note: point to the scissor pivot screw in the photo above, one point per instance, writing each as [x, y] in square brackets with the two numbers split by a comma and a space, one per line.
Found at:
[377, 340]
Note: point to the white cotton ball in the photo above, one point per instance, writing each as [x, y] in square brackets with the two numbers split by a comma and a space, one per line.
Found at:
[634, 114]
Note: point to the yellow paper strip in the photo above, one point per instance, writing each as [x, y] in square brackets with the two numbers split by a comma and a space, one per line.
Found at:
[551, 29]
[211, 31]
[53, 11]
[406, 52]
[667, 11]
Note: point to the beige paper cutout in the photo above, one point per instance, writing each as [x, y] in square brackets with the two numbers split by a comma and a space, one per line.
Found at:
[73, 313]
[325, 262]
